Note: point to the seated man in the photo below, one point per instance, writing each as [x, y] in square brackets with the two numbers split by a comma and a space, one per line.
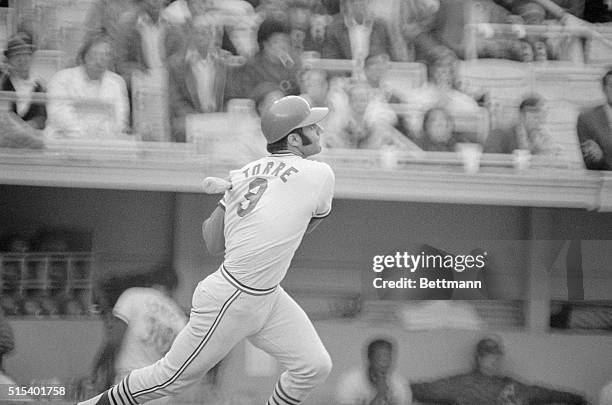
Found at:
[527, 134]
[197, 75]
[486, 385]
[354, 34]
[377, 383]
[594, 131]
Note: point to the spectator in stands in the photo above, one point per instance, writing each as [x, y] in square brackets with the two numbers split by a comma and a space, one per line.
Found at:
[420, 20]
[146, 310]
[19, 52]
[369, 123]
[298, 16]
[274, 63]
[440, 90]
[376, 383]
[241, 24]
[140, 35]
[319, 21]
[264, 95]
[527, 134]
[594, 131]
[314, 86]
[487, 385]
[88, 100]
[438, 131]
[354, 34]
[197, 74]
[114, 18]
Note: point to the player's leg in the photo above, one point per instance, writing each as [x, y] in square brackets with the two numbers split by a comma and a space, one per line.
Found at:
[218, 321]
[290, 337]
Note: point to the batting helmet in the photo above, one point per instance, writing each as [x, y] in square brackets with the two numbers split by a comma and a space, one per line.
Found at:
[287, 114]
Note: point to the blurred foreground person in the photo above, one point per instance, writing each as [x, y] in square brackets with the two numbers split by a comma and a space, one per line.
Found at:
[144, 322]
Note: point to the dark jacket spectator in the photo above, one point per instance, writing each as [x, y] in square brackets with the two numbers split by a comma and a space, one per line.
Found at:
[486, 385]
[527, 134]
[196, 76]
[274, 63]
[593, 129]
[344, 32]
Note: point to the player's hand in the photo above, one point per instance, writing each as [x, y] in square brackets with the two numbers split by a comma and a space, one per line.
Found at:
[591, 151]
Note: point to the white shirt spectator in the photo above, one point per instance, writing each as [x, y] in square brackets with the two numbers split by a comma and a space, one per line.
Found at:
[83, 108]
[356, 389]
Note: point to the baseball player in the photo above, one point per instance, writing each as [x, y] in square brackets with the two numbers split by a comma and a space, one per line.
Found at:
[268, 206]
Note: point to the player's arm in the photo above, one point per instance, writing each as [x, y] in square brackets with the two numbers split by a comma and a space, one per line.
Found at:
[324, 201]
[213, 231]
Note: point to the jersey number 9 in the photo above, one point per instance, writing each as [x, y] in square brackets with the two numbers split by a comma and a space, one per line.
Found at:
[261, 185]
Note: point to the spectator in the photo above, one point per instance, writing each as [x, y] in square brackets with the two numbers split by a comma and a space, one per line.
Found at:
[141, 36]
[440, 91]
[377, 383]
[354, 34]
[369, 123]
[485, 385]
[527, 134]
[88, 100]
[115, 19]
[264, 95]
[419, 23]
[197, 75]
[144, 323]
[594, 131]
[314, 87]
[438, 126]
[274, 63]
[18, 79]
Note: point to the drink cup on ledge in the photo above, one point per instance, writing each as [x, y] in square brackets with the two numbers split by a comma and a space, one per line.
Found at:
[470, 156]
[521, 159]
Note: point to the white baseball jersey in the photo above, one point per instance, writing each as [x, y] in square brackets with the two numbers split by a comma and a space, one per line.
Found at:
[153, 321]
[267, 212]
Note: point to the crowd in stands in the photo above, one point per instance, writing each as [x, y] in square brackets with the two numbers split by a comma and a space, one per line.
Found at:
[195, 56]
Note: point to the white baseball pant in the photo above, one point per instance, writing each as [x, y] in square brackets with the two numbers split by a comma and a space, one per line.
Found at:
[224, 312]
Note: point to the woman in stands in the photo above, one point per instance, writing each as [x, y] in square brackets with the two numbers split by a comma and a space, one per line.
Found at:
[88, 101]
[17, 79]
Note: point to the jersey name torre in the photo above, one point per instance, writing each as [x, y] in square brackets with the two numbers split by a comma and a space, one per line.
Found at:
[271, 168]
